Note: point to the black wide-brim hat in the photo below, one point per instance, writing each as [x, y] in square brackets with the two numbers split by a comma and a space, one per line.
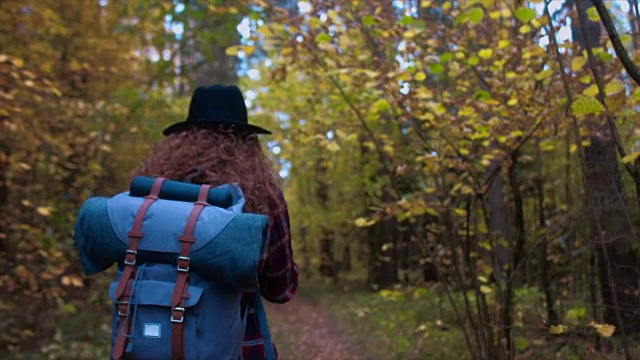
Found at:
[217, 106]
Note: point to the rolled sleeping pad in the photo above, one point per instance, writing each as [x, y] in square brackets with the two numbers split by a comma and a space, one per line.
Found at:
[231, 256]
[180, 191]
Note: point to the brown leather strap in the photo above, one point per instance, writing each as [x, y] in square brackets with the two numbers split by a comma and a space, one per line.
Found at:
[123, 291]
[180, 292]
[125, 325]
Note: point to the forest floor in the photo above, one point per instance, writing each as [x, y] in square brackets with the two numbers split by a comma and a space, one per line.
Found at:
[302, 330]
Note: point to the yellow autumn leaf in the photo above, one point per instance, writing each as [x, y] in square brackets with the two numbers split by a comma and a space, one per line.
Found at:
[388, 149]
[578, 62]
[557, 329]
[362, 222]
[333, 147]
[614, 86]
[485, 289]
[573, 148]
[44, 210]
[77, 282]
[460, 212]
[232, 50]
[485, 53]
[71, 280]
[591, 90]
[603, 330]
[630, 157]
[249, 49]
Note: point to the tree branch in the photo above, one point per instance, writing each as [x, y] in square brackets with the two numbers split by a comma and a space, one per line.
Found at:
[632, 69]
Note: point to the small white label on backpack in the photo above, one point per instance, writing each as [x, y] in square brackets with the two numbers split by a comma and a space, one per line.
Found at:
[151, 330]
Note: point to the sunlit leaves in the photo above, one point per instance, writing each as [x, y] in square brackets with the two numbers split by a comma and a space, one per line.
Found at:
[485, 289]
[605, 56]
[473, 15]
[591, 90]
[235, 50]
[406, 20]
[525, 14]
[333, 146]
[557, 329]
[391, 295]
[44, 210]
[421, 76]
[587, 104]
[485, 53]
[544, 74]
[629, 158]
[592, 14]
[436, 68]
[603, 330]
[369, 20]
[71, 280]
[323, 38]
[362, 222]
[473, 60]
[613, 87]
[578, 62]
[381, 105]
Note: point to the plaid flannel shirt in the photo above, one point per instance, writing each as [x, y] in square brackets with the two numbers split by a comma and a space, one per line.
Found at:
[278, 280]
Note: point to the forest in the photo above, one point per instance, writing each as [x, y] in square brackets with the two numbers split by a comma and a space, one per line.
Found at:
[463, 176]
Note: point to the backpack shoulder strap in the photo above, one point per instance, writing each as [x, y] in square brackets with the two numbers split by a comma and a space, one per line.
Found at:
[264, 326]
[180, 292]
[123, 291]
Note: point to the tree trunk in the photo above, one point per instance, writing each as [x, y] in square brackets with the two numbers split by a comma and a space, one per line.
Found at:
[327, 263]
[613, 235]
[346, 257]
[383, 267]
[545, 267]
[4, 196]
[634, 24]
[611, 231]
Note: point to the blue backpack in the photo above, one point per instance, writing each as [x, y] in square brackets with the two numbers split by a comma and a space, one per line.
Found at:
[185, 255]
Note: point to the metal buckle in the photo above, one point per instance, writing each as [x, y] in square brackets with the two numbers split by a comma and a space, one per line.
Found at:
[120, 304]
[183, 258]
[181, 319]
[130, 252]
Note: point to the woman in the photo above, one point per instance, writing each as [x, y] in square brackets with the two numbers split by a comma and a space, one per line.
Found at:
[217, 145]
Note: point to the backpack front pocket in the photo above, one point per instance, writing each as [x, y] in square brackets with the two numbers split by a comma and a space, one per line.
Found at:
[149, 316]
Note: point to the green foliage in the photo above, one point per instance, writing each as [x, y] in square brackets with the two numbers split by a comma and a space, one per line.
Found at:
[404, 325]
[450, 113]
[46, 171]
[586, 105]
[79, 107]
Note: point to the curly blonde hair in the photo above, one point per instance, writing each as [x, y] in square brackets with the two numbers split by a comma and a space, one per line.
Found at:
[217, 156]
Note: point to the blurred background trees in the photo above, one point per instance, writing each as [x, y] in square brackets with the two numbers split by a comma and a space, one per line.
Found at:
[490, 147]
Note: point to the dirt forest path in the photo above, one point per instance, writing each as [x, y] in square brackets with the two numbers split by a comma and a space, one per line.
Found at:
[302, 331]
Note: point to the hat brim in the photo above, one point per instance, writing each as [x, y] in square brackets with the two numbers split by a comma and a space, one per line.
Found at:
[186, 125]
